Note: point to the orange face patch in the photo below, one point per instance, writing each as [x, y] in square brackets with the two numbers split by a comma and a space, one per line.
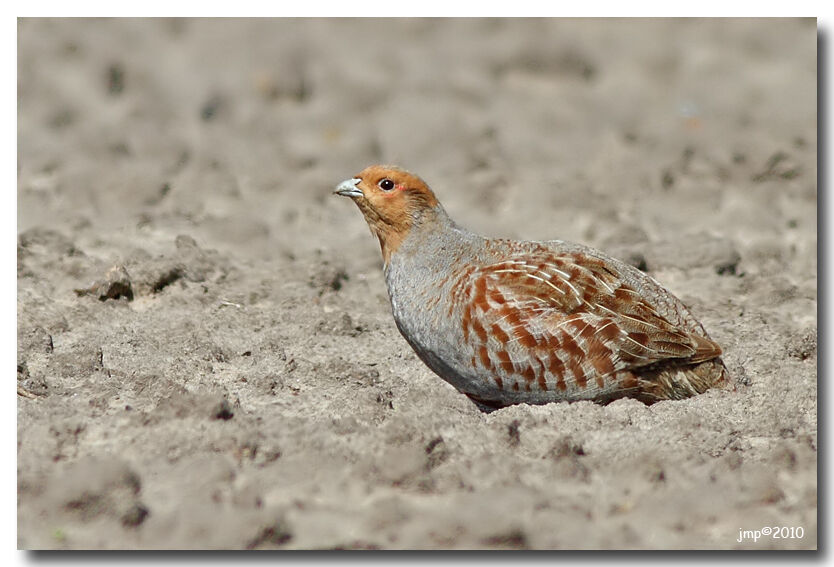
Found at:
[390, 197]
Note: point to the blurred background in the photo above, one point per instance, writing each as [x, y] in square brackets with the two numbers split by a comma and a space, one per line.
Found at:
[206, 354]
[240, 128]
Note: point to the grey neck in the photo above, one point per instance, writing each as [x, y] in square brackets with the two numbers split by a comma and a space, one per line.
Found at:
[434, 243]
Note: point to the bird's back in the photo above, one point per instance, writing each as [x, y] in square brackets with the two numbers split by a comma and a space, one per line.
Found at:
[508, 322]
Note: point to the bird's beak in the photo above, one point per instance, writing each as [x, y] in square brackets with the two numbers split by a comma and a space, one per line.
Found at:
[348, 188]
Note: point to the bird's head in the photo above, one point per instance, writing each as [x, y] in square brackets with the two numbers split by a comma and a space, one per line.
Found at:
[393, 202]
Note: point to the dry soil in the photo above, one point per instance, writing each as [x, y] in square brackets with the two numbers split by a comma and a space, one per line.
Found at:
[206, 355]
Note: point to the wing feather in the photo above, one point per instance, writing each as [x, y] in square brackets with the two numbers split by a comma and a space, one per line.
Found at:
[574, 293]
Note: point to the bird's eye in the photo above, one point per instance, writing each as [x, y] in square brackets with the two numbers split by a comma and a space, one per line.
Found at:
[386, 184]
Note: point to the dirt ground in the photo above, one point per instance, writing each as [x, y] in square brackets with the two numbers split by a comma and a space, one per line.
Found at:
[206, 353]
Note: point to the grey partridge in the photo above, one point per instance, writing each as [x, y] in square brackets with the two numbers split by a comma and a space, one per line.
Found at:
[508, 322]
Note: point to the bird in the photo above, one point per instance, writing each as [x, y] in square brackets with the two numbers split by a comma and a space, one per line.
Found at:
[525, 322]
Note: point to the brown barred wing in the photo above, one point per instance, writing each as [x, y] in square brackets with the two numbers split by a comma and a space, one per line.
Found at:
[565, 324]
